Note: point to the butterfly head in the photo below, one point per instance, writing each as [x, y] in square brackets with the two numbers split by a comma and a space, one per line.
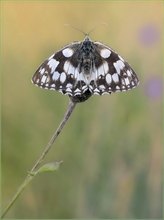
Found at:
[87, 46]
[87, 38]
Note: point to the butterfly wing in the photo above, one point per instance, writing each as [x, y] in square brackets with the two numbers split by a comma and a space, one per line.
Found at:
[60, 71]
[112, 72]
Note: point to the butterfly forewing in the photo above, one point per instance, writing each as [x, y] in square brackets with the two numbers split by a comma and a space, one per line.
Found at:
[82, 69]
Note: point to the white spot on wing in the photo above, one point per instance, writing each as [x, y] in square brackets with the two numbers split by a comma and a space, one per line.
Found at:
[105, 53]
[97, 90]
[122, 82]
[106, 67]
[101, 71]
[108, 78]
[43, 80]
[102, 87]
[55, 75]
[90, 87]
[76, 74]
[127, 81]
[71, 69]
[129, 73]
[42, 71]
[52, 64]
[68, 90]
[68, 52]
[77, 90]
[119, 65]
[84, 88]
[81, 77]
[66, 66]
[115, 78]
[62, 77]
[69, 85]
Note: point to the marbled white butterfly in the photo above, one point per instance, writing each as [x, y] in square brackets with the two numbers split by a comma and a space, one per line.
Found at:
[82, 69]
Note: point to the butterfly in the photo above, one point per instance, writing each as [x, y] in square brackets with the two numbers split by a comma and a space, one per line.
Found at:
[86, 68]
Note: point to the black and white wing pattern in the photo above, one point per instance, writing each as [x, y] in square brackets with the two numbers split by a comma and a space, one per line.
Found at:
[82, 69]
[57, 72]
[113, 73]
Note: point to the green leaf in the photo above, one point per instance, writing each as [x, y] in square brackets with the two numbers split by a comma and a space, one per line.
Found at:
[49, 167]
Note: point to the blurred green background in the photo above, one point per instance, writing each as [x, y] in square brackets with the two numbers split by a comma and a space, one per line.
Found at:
[112, 145]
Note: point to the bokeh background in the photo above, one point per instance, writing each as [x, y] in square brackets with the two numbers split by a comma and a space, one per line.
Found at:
[112, 145]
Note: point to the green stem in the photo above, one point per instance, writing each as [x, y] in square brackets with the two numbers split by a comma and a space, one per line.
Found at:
[29, 177]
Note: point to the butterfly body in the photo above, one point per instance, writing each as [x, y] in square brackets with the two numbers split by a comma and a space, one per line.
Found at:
[82, 69]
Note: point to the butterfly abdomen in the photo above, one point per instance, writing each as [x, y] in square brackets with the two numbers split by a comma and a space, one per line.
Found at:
[86, 55]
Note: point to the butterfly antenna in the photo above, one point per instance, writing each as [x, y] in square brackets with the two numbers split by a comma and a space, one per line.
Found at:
[77, 29]
[103, 23]
[86, 33]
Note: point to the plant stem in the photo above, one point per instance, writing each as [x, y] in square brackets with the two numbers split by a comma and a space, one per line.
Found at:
[29, 177]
